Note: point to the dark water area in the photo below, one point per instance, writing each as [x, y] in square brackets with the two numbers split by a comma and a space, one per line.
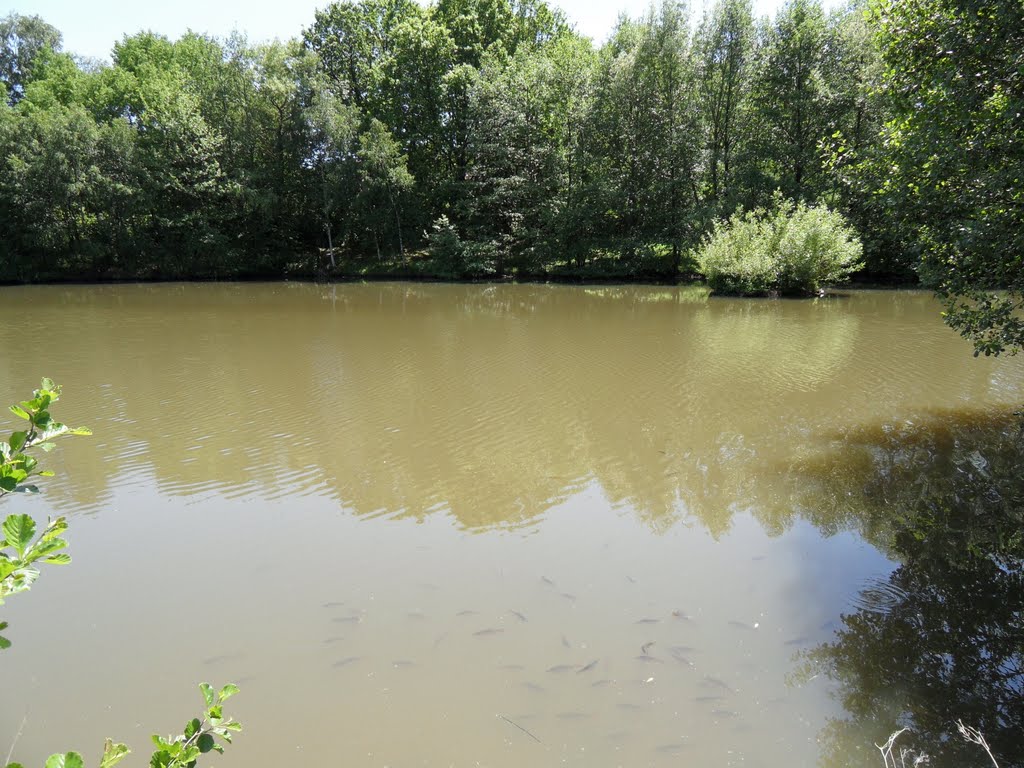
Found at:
[520, 524]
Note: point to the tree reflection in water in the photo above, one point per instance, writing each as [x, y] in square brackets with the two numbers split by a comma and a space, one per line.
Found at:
[943, 637]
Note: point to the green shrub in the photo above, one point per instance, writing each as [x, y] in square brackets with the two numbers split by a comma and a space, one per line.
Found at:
[792, 249]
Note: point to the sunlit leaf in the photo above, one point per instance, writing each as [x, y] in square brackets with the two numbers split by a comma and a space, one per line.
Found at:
[207, 690]
[18, 531]
[67, 760]
[113, 754]
[228, 691]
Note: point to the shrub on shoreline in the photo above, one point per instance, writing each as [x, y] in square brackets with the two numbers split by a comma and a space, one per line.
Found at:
[792, 249]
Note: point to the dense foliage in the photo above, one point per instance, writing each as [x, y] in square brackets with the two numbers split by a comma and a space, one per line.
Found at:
[790, 249]
[469, 138]
[953, 154]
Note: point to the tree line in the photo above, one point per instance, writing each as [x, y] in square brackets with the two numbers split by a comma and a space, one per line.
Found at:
[469, 138]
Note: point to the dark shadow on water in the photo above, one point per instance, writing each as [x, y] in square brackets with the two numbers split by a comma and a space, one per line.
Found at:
[942, 638]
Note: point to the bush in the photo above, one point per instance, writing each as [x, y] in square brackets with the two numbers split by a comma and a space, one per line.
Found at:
[792, 249]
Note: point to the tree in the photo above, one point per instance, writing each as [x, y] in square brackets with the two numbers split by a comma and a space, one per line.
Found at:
[384, 180]
[953, 154]
[22, 39]
[790, 99]
[724, 47]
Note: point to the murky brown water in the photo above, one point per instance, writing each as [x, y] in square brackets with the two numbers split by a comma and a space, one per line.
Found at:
[458, 525]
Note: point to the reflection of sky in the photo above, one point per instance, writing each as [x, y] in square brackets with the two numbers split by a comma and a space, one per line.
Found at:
[374, 621]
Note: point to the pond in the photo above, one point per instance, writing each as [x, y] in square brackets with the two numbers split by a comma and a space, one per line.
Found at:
[508, 525]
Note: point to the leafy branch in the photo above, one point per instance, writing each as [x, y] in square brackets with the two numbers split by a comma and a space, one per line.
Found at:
[16, 465]
[21, 551]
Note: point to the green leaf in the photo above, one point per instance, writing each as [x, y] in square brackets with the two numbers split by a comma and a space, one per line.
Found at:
[43, 548]
[54, 528]
[58, 559]
[4, 643]
[207, 690]
[67, 760]
[19, 412]
[19, 530]
[192, 727]
[214, 713]
[228, 691]
[18, 440]
[49, 385]
[113, 754]
[205, 743]
[15, 765]
[80, 431]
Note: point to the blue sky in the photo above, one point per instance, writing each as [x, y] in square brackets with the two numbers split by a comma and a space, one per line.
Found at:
[91, 27]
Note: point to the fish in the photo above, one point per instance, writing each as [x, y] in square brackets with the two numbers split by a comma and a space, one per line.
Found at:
[334, 639]
[802, 640]
[467, 612]
[648, 621]
[628, 705]
[347, 619]
[569, 596]
[534, 687]
[402, 663]
[644, 648]
[682, 616]
[560, 668]
[742, 625]
[220, 659]
[714, 682]
[488, 631]
[724, 713]
[519, 616]
[649, 659]
[547, 581]
[334, 604]
[671, 748]
[701, 699]
[565, 642]
[345, 662]
[600, 683]
[416, 615]
[587, 667]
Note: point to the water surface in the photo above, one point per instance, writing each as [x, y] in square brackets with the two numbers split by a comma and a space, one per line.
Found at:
[471, 525]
